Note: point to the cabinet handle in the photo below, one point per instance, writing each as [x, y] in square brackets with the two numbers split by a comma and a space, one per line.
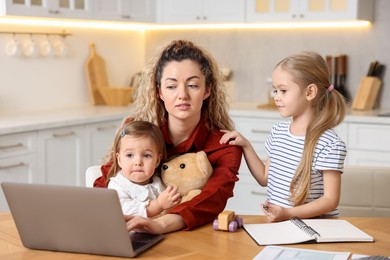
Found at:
[104, 128]
[63, 134]
[4, 147]
[4, 167]
[54, 11]
[258, 131]
[257, 193]
[126, 16]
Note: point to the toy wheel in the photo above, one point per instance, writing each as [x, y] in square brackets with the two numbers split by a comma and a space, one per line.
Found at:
[233, 226]
[215, 224]
[240, 222]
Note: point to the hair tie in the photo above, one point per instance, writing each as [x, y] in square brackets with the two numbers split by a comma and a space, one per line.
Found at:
[123, 132]
[330, 88]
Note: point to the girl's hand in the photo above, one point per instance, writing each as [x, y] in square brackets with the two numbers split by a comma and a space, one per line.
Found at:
[169, 197]
[233, 138]
[275, 213]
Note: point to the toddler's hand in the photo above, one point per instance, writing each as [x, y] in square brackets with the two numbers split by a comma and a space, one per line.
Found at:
[169, 197]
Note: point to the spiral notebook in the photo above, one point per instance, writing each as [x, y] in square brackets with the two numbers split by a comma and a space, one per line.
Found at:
[296, 230]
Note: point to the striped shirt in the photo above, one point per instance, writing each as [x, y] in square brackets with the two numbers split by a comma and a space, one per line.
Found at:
[285, 151]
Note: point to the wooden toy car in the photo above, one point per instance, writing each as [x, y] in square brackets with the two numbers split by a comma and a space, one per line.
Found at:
[227, 221]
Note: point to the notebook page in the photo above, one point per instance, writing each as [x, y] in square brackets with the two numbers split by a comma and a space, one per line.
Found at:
[285, 232]
[337, 230]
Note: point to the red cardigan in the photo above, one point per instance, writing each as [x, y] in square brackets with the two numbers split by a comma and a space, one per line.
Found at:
[225, 160]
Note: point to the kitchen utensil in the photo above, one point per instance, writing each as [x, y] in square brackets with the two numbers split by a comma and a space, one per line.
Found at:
[116, 96]
[45, 47]
[342, 76]
[100, 90]
[12, 47]
[372, 68]
[29, 48]
[96, 73]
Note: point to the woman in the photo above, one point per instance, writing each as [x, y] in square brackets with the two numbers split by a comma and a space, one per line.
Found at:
[181, 90]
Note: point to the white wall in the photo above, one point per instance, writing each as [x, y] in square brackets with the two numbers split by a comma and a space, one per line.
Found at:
[252, 54]
[53, 82]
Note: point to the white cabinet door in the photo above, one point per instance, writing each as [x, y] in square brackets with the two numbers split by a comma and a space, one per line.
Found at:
[221, 11]
[80, 9]
[18, 160]
[180, 11]
[22, 168]
[308, 10]
[125, 10]
[62, 156]
[99, 138]
[201, 11]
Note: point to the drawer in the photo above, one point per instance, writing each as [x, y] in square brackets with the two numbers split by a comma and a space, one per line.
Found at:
[368, 158]
[18, 144]
[369, 137]
[22, 168]
[254, 129]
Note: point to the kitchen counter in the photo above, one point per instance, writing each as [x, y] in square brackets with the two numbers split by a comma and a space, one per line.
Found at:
[16, 122]
[370, 116]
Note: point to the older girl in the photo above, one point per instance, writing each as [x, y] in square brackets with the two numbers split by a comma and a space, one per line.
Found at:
[306, 157]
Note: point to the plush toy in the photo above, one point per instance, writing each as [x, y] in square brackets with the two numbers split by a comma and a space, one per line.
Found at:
[189, 172]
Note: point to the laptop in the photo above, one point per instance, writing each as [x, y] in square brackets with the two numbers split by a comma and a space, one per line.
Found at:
[73, 219]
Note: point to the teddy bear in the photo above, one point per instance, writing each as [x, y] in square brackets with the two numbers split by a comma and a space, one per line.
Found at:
[189, 172]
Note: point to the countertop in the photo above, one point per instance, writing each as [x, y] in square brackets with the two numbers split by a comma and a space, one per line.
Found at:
[16, 122]
[370, 116]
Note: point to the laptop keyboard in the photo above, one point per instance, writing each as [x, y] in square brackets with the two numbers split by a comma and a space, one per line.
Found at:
[138, 244]
[138, 240]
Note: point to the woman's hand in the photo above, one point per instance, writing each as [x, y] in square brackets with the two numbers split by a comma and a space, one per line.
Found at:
[162, 224]
[233, 138]
[142, 225]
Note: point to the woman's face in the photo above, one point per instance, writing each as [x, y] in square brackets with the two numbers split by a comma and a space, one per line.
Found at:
[183, 90]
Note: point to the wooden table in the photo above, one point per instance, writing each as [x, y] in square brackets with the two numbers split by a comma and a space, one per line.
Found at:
[204, 243]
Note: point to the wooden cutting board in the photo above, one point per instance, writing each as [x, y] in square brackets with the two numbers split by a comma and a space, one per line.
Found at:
[95, 67]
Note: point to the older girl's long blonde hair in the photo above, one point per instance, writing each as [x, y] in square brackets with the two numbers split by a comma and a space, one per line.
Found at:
[329, 110]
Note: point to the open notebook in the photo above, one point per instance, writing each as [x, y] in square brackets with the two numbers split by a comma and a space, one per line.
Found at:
[295, 231]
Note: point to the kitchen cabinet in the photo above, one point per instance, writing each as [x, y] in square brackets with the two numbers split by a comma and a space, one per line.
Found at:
[18, 160]
[99, 138]
[62, 156]
[368, 144]
[75, 9]
[308, 10]
[248, 194]
[201, 11]
[125, 10]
